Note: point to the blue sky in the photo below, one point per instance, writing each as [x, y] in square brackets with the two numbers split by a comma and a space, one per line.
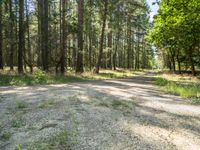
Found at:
[154, 8]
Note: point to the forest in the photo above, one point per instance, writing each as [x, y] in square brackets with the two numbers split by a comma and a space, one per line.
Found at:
[99, 74]
[60, 35]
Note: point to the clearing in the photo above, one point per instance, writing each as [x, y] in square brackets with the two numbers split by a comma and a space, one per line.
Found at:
[122, 114]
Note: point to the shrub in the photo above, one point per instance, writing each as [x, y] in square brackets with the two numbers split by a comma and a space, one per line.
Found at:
[39, 76]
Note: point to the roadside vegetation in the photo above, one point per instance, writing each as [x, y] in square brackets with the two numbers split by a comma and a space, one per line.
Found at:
[42, 78]
[182, 85]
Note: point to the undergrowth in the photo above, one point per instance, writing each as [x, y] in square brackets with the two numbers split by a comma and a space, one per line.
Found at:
[42, 78]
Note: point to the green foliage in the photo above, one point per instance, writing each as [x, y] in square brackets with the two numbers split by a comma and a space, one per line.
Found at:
[39, 77]
[19, 147]
[176, 29]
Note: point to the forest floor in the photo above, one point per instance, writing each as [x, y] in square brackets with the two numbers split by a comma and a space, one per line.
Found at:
[121, 114]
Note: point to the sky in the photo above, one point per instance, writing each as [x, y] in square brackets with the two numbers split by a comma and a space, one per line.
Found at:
[154, 9]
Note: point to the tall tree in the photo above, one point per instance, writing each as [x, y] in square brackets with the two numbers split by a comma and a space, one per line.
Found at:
[29, 61]
[1, 36]
[11, 36]
[102, 36]
[44, 33]
[21, 36]
[79, 64]
[64, 37]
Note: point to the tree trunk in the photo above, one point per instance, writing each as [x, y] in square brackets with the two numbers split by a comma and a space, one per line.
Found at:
[11, 37]
[102, 36]
[110, 42]
[44, 33]
[1, 37]
[64, 38]
[74, 55]
[39, 8]
[128, 42]
[179, 62]
[79, 63]
[21, 37]
[173, 63]
[30, 63]
[90, 51]
[192, 62]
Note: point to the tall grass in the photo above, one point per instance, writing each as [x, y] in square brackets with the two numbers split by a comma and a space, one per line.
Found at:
[184, 89]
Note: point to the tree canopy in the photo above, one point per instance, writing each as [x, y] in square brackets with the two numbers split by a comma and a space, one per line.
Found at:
[176, 31]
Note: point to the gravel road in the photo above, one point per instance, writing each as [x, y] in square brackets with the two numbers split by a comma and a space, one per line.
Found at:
[125, 114]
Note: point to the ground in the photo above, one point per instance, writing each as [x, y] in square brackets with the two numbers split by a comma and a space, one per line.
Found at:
[122, 114]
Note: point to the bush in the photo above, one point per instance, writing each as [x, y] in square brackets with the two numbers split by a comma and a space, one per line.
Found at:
[39, 76]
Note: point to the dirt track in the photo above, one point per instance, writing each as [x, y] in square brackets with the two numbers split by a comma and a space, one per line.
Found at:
[125, 114]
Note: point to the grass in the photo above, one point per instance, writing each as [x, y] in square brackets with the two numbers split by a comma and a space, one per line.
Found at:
[21, 105]
[6, 136]
[183, 86]
[59, 141]
[122, 105]
[47, 104]
[16, 123]
[118, 104]
[41, 78]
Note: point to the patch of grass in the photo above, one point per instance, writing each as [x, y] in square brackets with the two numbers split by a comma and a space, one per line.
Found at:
[21, 105]
[6, 136]
[195, 100]
[122, 105]
[18, 147]
[103, 104]
[186, 89]
[59, 141]
[110, 74]
[47, 104]
[16, 123]
[38, 79]
[42, 78]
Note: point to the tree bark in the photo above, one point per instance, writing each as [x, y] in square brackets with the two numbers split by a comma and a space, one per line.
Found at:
[1, 36]
[179, 62]
[110, 42]
[30, 63]
[64, 37]
[79, 64]
[192, 62]
[102, 36]
[21, 37]
[44, 33]
[11, 36]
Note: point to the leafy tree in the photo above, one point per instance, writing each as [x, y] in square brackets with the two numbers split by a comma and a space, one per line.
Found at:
[176, 30]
